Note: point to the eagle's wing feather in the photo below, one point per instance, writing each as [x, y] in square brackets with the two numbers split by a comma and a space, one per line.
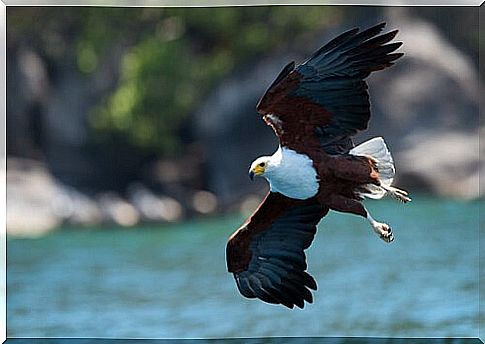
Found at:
[266, 254]
[324, 101]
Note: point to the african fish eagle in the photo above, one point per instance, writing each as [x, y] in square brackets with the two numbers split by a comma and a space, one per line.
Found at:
[314, 110]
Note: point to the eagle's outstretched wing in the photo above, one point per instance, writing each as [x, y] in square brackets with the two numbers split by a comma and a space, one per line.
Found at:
[266, 254]
[324, 101]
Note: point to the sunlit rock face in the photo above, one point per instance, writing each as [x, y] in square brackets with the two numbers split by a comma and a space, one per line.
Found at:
[426, 107]
[38, 203]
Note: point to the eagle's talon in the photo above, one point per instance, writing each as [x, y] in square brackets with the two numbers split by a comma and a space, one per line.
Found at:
[384, 231]
[387, 238]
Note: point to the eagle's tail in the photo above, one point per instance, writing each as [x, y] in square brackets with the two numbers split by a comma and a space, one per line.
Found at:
[376, 149]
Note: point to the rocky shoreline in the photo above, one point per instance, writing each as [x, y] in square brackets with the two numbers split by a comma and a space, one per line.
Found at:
[37, 202]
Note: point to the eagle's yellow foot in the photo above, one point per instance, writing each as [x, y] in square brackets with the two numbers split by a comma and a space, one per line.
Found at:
[382, 229]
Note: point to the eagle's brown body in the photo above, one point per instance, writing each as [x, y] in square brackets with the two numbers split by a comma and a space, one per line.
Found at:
[340, 176]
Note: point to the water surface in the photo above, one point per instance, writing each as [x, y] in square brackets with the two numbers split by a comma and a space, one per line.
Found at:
[171, 281]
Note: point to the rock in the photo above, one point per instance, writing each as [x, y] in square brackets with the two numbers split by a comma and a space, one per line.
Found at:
[37, 203]
[30, 196]
[117, 210]
[454, 172]
[153, 207]
[204, 202]
[78, 208]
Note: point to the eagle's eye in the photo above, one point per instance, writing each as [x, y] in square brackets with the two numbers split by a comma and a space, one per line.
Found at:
[261, 164]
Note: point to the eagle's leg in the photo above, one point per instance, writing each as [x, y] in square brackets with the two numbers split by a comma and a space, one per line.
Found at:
[353, 206]
[382, 229]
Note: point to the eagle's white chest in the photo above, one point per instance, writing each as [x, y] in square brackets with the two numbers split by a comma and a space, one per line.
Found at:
[292, 174]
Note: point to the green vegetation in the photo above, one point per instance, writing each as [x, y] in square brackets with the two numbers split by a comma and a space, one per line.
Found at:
[169, 69]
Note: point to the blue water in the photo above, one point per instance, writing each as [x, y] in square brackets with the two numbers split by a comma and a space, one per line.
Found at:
[171, 281]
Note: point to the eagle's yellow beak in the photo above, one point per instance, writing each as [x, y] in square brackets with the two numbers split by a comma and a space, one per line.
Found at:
[256, 171]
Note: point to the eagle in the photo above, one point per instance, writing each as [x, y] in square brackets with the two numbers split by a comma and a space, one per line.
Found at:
[314, 109]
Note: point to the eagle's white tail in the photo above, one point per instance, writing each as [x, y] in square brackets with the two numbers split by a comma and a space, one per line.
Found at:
[376, 148]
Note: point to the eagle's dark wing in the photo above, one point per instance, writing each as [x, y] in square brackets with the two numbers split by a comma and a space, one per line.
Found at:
[324, 101]
[266, 253]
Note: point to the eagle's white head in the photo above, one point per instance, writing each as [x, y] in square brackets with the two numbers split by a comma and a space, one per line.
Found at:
[260, 167]
[267, 166]
[287, 172]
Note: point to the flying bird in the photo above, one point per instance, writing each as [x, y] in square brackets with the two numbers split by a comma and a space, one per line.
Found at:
[314, 109]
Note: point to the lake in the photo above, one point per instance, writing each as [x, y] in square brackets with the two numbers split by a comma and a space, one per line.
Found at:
[171, 281]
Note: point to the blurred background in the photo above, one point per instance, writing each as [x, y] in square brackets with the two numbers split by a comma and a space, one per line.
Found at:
[130, 133]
